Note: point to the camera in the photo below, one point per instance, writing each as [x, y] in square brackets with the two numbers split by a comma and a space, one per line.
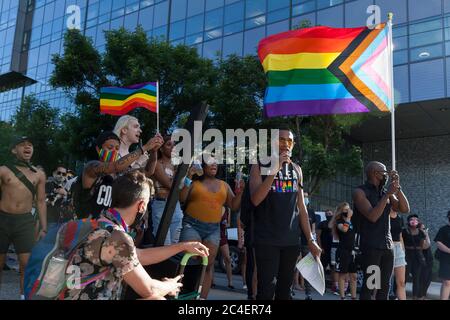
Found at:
[345, 214]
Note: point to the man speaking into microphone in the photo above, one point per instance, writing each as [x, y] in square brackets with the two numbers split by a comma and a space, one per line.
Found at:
[279, 212]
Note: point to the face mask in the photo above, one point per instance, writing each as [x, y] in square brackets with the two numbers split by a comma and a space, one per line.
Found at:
[329, 218]
[384, 181]
[108, 155]
[306, 201]
[138, 220]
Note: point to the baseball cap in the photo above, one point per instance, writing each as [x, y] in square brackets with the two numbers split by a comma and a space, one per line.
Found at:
[412, 216]
[19, 140]
[104, 136]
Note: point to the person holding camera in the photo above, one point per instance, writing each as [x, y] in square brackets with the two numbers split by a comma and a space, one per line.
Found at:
[343, 229]
[56, 195]
[372, 206]
[414, 240]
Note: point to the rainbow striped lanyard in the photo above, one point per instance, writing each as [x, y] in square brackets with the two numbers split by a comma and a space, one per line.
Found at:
[119, 219]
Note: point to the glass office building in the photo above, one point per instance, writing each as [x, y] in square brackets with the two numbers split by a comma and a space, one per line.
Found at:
[218, 28]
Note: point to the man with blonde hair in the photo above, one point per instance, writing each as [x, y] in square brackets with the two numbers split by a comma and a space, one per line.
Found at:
[129, 131]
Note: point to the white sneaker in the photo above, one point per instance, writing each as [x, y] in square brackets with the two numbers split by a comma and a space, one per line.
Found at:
[22, 297]
[244, 287]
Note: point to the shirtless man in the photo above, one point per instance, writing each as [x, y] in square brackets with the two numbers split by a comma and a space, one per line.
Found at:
[16, 220]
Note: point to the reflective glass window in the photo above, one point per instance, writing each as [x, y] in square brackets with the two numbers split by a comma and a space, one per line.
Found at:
[213, 34]
[309, 18]
[255, 22]
[146, 18]
[214, 19]
[160, 32]
[162, 12]
[214, 4]
[426, 53]
[356, 13]
[419, 9]
[400, 57]
[146, 3]
[233, 28]
[49, 12]
[194, 39]
[328, 3]
[277, 4]
[233, 44]
[427, 80]
[423, 38]
[177, 30]
[255, 8]
[278, 15]
[195, 7]
[304, 8]
[234, 12]
[251, 40]
[178, 10]
[131, 21]
[278, 27]
[398, 7]
[332, 17]
[212, 49]
[194, 24]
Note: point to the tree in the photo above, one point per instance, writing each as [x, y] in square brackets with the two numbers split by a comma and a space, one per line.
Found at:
[38, 121]
[130, 57]
[7, 134]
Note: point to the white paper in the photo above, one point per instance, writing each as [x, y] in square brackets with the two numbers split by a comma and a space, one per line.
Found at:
[312, 270]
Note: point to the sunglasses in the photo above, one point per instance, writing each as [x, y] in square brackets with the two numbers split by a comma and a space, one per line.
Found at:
[290, 142]
[59, 173]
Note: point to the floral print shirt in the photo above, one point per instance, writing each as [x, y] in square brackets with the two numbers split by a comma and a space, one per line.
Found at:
[103, 260]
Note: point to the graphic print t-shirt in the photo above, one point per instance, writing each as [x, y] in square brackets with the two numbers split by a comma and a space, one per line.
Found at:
[276, 218]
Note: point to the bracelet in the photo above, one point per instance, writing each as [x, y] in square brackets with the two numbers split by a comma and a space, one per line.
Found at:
[187, 182]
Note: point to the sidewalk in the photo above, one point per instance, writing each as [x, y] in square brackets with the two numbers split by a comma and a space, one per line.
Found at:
[434, 291]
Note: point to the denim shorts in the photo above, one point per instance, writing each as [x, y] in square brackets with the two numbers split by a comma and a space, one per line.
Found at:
[196, 230]
[399, 255]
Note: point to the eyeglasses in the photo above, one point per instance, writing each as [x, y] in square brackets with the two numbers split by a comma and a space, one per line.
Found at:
[290, 142]
[59, 173]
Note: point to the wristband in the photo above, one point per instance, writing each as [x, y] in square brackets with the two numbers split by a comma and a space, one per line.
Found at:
[187, 182]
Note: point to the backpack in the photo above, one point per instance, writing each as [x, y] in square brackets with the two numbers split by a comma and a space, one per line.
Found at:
[46, 274]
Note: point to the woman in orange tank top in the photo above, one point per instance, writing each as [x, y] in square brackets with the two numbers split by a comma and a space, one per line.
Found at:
[203, 200]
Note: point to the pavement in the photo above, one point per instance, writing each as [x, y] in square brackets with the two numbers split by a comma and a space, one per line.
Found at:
[9, 289]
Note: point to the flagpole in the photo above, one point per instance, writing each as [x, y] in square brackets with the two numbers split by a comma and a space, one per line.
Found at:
[391, 73]
[157, 106]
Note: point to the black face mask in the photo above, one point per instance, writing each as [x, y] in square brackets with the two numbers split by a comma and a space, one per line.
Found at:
[329, 218]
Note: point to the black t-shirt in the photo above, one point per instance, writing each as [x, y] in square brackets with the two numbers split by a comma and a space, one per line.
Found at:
[346, 239]
[373, 235]
[91, 202]
[326, 235]
[396, 227]
[412, 240]
[276, 220]
[443, 236]
[312, 220]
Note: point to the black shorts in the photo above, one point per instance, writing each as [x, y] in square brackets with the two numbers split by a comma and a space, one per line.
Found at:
[17, 229]
[444, 268]
[345, 261]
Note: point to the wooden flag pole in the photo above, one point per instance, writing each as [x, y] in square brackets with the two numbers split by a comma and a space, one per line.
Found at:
[157, 106]
[391, 73]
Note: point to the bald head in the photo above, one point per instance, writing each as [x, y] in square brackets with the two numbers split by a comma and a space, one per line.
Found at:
[373, 167]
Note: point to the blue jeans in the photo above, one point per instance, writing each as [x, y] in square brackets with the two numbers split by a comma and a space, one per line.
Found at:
[173, 234]
[196, 230]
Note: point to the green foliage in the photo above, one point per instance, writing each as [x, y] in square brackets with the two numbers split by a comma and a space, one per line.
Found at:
[7, 135]
[37, 120]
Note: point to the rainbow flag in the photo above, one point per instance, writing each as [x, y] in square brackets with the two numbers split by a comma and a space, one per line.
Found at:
[118, 101]
[323, 70]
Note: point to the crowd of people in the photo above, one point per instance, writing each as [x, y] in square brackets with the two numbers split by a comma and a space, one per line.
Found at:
[127, 190]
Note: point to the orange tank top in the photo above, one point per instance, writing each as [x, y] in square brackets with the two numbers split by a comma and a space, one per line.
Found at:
[205, 205]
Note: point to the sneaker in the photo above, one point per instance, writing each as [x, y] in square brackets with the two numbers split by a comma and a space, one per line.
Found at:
[336, 292]
[244, 287]
[230, 287]
[308, 298]
[22, 297]
[213, 285]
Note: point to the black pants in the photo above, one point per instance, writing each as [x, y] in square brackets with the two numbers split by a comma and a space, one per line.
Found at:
[308, 287]
[416, 270]
[384, 259]
[249, 269]
[276, 267]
